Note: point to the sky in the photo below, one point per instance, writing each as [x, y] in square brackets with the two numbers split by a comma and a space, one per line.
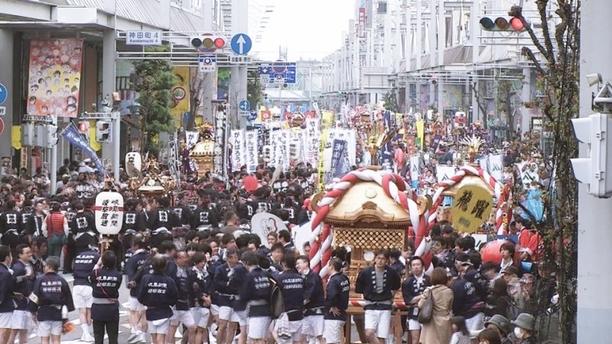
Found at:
[309, 29]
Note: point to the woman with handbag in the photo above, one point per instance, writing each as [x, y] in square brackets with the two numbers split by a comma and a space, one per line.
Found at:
[435, 310]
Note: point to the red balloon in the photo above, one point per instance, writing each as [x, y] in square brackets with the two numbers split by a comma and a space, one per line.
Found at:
[250, 183]
[490, 251]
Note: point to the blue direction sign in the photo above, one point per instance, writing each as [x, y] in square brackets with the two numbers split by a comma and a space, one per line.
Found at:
[241, 44]
[252, 116]
[3, 93]
[280, 70]
[244, 105]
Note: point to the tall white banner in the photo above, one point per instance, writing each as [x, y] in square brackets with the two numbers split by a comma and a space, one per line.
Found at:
[414, 168]
[313, 135]
[444, 172]
[496, 167]
[238, 149]
[191, 138]
[251, 152]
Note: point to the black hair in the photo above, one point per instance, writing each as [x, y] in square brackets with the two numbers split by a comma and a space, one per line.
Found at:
[285, 235]
[109, 259]
[249, 258]
[277, 246]
[336, 264]
[304, 258]
[158, 262]
[459, 321]
[508, 246]
[289, 261]
[166, 246]
[19, 249]
[197, 258]
[5, 252]
[227, 238]
[163, 202]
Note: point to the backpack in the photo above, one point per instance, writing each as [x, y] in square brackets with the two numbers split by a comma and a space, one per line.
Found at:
[277, 304]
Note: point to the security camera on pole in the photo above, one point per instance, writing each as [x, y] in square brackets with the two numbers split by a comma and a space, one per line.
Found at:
[594, 130]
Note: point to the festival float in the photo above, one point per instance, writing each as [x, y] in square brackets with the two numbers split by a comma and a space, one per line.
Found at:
[203, 152]
[366, 211]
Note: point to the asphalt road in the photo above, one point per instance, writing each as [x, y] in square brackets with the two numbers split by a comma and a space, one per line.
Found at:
[124, 327]
[74, 336]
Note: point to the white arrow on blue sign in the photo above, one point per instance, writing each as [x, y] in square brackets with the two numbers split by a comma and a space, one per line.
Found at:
[244, 105]
[3, 93]
[241, 44]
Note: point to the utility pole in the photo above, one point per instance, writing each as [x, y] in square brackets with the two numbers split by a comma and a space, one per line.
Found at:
[594, 236]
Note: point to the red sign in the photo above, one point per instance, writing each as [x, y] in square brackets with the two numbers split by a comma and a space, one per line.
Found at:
[1, 125]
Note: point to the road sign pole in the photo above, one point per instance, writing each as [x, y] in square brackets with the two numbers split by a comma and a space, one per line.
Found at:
[53, 162]
[116, 145]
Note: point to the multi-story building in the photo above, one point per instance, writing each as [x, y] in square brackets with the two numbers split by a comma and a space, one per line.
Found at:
[435, 55]
[95, 24]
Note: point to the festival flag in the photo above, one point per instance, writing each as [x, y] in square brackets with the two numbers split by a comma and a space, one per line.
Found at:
[72, 134]
[420, 129]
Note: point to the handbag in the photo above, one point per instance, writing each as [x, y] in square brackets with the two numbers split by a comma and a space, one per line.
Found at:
[426, 309]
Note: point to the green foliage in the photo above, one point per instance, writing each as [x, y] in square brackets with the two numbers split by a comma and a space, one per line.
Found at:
[254, 92]
[154, 80]
[390, 100]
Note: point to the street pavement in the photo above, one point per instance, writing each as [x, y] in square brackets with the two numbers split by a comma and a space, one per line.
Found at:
[74, 336]
[124, 326]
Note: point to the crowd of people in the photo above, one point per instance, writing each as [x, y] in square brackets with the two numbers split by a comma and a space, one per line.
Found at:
[189, 263]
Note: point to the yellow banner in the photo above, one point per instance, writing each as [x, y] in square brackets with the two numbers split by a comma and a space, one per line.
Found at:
[420, 128]
[95, 145]
[16, 136]
[472, 205]
[327, 120]
[180, 94]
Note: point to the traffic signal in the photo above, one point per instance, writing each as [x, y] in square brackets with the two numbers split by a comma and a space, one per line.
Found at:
[103, 131]
[502, 24]
[51, 135]
[594, 169]
[208, 43]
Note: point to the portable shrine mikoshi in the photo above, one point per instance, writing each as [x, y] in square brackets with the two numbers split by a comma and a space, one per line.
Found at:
[366, 211]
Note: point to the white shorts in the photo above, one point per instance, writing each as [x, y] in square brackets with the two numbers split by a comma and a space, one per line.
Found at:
[182, 317]
[413, 325]
[293, 327]
[49, 328]
[258, 327]
[159, 326]
[22, 320]
[225, 313]
[214, 310]
[379, 321]
[239, 317]
[201, 315]
[5, 319]
[82, 296]
[312, 325]
[334, 331]
[134, 305]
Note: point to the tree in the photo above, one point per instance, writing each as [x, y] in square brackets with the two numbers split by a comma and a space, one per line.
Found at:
[559, 66]
[254, 92]
[390, 100]
[154, 80]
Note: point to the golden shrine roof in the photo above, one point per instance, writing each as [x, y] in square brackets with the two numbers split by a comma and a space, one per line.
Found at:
[365, 204]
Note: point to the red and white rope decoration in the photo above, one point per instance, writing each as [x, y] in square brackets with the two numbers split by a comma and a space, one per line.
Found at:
[498, 189]
[321, 240]
[394, 187]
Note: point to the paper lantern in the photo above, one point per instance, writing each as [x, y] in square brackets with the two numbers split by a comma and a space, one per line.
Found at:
[490, 251]
[250, 183]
